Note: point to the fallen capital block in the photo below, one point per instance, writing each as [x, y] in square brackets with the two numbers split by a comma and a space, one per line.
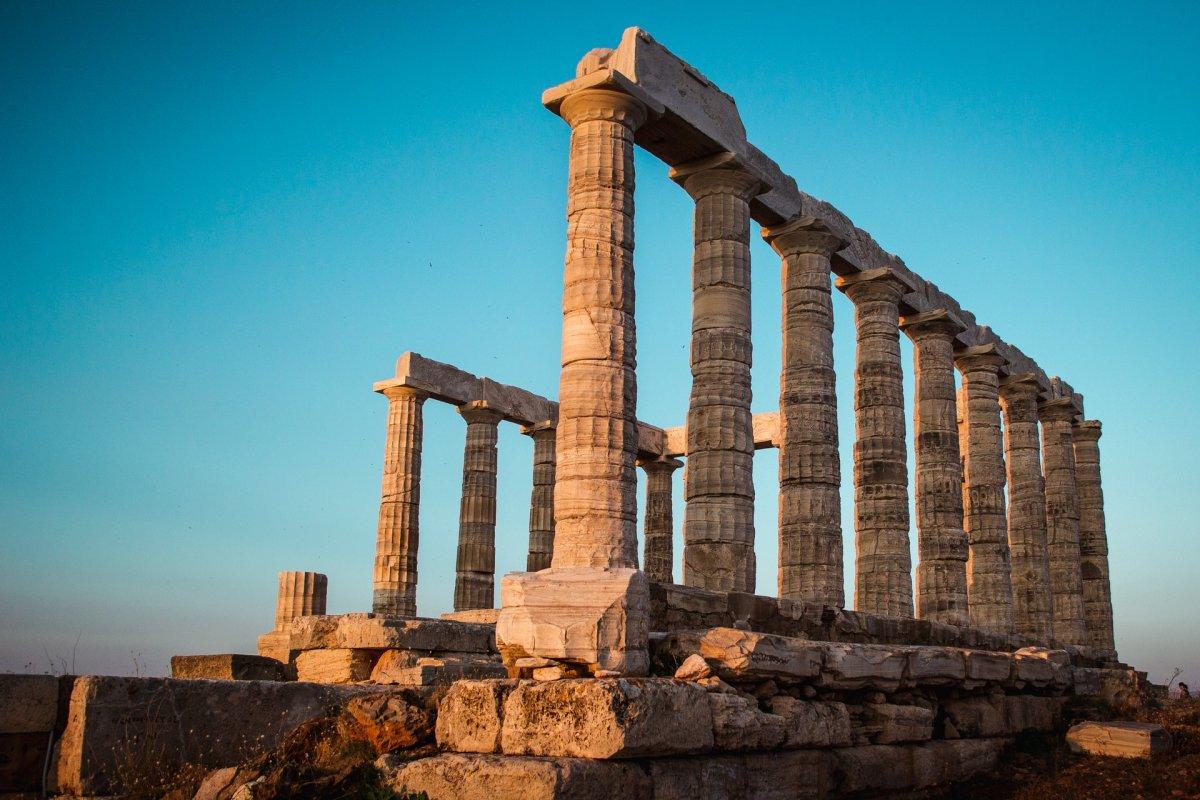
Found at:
[592, 718]
[340, 665]
[227, 667]
[1121, 739]
[455, 776]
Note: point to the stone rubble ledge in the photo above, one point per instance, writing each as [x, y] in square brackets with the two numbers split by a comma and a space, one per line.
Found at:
[796, 775]
[617, 719]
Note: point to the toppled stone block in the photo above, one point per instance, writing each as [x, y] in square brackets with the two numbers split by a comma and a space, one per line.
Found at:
[935, 666]
[620, 718]
[470, 716]
[595, 617]
[812, 724]
[28, 703]
[857, 666]
[342, 665]
[1120, 739]
[371, 632]
[792, 775]
[227, 667]
[738, 724]
[403, 670]
[888, 723]
[454, 776]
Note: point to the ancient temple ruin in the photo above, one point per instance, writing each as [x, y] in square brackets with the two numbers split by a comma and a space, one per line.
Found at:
[603, 668]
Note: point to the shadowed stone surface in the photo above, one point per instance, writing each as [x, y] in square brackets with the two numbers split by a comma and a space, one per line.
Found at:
[541, 499]
[227, 667]
[474, 583]
[452, 776]
[658, 531]
[1062, 520]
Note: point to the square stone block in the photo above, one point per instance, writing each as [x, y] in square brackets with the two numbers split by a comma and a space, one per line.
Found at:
[227, 667]
[340, 665]
[583, 615]
[1120, 739]
[454, 776]
[28, 703]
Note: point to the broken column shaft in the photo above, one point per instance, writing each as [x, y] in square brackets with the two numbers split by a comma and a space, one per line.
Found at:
[658, 530]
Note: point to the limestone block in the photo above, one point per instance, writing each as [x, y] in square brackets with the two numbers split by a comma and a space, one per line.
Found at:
[1121, 739]
[1087, 681]
[581, 615]
[276, 645]
[856, 666]
[469, 715]
[974, 717]
[738, 724]
[939, 763]
[888, 723]
[905, 768]
[793, 775]
[606, 719]
[487, 616]
[746, 655]
[372, 632]
[340, 665]
[983, 665]
[1031, 713]
[433, 671]
[935, 666]
[227, 667]
[1032, 669]
[28, 703]
[454, 776]
[387, 722]
[812, 724]
[115, 721]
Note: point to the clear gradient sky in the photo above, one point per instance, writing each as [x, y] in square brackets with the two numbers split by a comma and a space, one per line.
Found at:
[223, 221]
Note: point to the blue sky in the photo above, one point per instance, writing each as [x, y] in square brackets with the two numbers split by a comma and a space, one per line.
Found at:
[224, 221]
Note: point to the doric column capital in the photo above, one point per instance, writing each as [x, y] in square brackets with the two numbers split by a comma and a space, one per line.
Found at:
[803, 235]
[935, 323]
[401, 392]
[1058, 409]
[660, 464]
[543, 427]
[1020, 385]
[981, 358]
[1087, 430]
[479, 411]
[603, 104]
[719, 174]
[874, 285]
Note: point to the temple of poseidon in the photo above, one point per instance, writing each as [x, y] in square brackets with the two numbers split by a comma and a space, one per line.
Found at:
[603, 673]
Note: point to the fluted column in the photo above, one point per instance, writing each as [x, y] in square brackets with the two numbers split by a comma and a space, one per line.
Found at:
[989, 576]
[658, 530]
[1093, 539]
[395, 573]
[810, 476]
[541, 500]
[1032, 606]
[476, 566]
[1062, 520]
[882, 564]
[718, 521]
[595, 502]
[301, 594]
[941, 541]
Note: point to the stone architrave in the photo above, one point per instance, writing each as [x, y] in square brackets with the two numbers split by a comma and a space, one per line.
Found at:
[1033, 608]
[989, 578]
[810, 515]
[1093, 539]
[941, 540]
[718, 520]
[592, 606]
[658, 530]
[541, 500]
[883, 566]
[476, 566]
[395, 573]
[1062, 520]
[301, 594]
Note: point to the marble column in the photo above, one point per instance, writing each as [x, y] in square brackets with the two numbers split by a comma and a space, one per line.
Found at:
[810, 476]
[718, 521]
[595, 502]
[395, 573]
[941, 541]
[882, 564]
[1062, 520]
[541, 500]
[658, 530]
[301, 594]
[476, 566]
[1032, 606]
[1093, 540]
[989, 572]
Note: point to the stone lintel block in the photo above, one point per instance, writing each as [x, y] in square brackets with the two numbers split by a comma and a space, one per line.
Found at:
[594, 718]
[372, 632]
[794, 775]
[493, 777]
[470, 715]
[336, 665]
[583, 615]
[1121, 739]
[857, 666]
[28, 703]
[227, 667]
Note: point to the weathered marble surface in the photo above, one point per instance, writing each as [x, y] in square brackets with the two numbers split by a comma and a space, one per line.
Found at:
[1093, 539]
[398, 533]
[1120, 739]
